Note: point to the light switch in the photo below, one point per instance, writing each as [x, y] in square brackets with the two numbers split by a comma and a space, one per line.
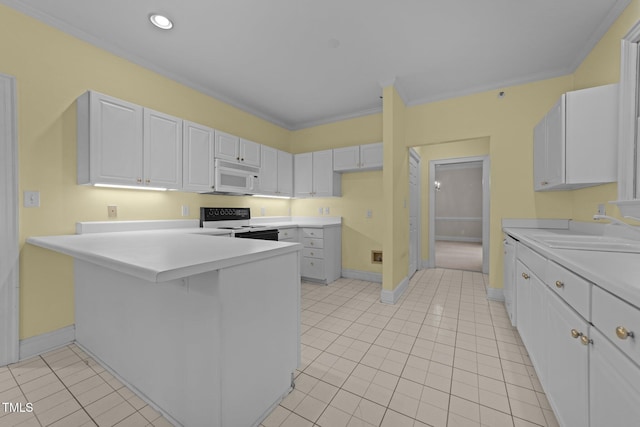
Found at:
[185, 210]
[327, 210]
[31, 199]
[369, 213]
[320, 210]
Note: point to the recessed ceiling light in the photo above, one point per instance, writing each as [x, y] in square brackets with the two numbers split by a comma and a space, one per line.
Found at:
[161, 21]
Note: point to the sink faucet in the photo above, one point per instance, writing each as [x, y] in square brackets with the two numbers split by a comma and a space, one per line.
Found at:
[617, 221]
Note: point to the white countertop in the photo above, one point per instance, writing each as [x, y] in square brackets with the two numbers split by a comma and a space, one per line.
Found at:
[616, 272]
[162, 255]
[298, 221]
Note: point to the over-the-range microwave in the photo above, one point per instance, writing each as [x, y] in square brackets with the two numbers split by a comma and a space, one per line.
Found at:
[235, 178]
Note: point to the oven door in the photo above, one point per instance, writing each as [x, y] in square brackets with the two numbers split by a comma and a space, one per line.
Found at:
[260, 234]
[232, 178]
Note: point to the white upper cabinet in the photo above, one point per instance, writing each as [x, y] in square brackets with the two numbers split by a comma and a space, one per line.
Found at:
[285, 174]
[276, 172]
[359, 157]
[575, 144]
[120, 143]
[235, 149]
[314, 175]
[249, 152]
[197, 155]
[162, 150]
[109, 140]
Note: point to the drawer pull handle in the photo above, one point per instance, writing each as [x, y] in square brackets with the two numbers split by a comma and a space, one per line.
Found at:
[311, 263]
[585, 340]
[525, 275]
[311, 243]
[575, 333]
[311, 253]
[623, 333]
[559, 284]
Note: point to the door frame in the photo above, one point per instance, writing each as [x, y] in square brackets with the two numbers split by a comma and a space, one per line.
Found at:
[9, 241]
[485, 206]
[413, 154]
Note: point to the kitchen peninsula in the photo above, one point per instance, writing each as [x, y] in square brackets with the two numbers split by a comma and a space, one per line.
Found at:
[205, 327]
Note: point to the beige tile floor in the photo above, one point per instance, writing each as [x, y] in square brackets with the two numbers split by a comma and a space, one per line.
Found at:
[67, 388]
[442, 356]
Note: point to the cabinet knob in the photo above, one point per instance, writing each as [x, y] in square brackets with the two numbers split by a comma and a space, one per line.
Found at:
[559, 284]
[544, 183]
[585, 340]
[311, 243]
[623, 333]
[242, 159]
[525, 275]
[148, 181]
[238, 158]
[311, 263]
[575, 333]
[139, 180]
[312, 253]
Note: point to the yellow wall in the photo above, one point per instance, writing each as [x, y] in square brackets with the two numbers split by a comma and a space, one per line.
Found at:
[52, 69]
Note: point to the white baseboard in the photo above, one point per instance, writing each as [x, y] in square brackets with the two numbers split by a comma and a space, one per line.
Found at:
[391, 297]
[362, 275]
[39, 344]
[495, 294]
[460, 239]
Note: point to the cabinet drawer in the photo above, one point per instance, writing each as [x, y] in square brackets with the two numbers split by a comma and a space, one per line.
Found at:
[536, 263]
[309, 242]
[313, 232]
[611, 313]
[287, 234]
[313, 268]
[575, 290]
[313, 253]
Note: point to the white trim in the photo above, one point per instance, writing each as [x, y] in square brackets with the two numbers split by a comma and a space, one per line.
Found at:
[535, 223]
[459, 239]
[413, 154]
[9, 230]
[495, 294]
[367, 276]
[39, 344]
[458, 218]
[486, 186]
[138, 225]
[391, 297]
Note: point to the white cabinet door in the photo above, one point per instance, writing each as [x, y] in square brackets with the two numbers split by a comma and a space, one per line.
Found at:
[285, 173]
[227, 146]
[371, 156]
[162, 150]
[110, 136]
[555, 153]
[249, 152]
[197, 155]
[614, 385]
[523, 299]
[346, 158]
[303, 174]
[323, 173]
[269, 171]
[540, 155]
[567, 367]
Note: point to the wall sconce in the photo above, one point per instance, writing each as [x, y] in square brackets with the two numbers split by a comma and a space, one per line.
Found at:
[436, 185]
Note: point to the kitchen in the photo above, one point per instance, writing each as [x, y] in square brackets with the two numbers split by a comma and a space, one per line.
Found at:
[53, 69]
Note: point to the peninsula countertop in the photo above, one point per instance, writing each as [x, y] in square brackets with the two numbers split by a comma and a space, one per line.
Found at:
[163, 255]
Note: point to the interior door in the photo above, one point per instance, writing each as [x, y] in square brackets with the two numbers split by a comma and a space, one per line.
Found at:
[414, 216]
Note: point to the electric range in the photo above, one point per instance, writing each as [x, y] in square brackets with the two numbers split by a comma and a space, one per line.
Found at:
[237, 221]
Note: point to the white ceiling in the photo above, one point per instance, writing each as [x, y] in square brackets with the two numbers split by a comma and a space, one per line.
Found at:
[277, 58]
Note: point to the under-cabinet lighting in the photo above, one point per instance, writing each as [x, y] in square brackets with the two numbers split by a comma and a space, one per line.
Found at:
[267, 196]
[161, 21]
[131, 187]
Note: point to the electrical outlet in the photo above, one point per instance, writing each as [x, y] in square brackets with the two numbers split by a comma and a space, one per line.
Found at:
[31, 199]
[112, 211]
[263, 211]
[327, 210]
[601, 209]
[320, 210]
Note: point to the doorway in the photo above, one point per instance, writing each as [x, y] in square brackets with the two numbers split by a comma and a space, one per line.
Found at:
[9, 250]
[459, 213]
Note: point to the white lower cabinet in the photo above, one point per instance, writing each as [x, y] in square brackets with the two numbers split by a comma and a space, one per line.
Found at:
[582, 341]
[614, 385]
[322, 254]
[567, 363]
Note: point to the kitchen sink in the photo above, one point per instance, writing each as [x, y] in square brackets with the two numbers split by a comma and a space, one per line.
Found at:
[588, 242]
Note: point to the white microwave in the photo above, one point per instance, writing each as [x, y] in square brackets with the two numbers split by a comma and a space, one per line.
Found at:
[235, 178]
